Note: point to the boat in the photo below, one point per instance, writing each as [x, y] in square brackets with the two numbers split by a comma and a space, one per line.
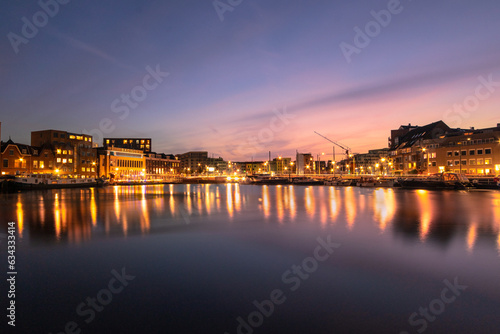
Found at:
[438, 181]
[486, 182]
[306, 181]
[366, 182]
[49, 181]
[267, 180]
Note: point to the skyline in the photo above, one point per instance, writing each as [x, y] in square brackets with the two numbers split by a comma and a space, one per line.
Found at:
[227, 79]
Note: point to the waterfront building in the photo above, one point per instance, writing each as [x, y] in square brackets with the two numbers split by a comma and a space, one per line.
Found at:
[16, 158]
[73, 154]
[281, 165]
[161, 166]
[142, 144]
[373, 162]
[305, 163]
[121, 164]
[193, 162]
[437, 148]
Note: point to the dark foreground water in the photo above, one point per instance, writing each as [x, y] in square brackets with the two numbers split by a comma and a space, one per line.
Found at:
[251, 259]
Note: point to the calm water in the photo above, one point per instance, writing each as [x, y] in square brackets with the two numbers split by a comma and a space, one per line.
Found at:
[251, 259]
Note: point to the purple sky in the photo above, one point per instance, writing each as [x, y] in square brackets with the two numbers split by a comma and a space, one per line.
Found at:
[227, 80]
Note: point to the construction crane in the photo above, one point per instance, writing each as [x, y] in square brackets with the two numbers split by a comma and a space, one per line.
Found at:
[345, 148]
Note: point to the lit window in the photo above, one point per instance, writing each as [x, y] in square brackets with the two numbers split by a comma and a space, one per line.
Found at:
[70, 152]
[64, 152]
[124, 141]
[64, 161]
[58, 151]
[83, 169]
[88, 169]
[58, 159]
[479, 161]
[42, 164]
[487, 161]
[72, 137]
[107, 141]
[70, 161]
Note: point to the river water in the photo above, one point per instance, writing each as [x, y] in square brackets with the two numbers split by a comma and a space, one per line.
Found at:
[235, 258]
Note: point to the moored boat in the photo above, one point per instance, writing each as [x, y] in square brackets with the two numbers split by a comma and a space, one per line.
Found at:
[49, 181]
[438, 181]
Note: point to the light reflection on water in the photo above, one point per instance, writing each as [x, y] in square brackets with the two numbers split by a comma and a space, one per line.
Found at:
[78, 215]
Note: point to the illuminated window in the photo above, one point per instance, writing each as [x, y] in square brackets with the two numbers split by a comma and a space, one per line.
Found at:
[64, 152]
[107, 141]
[70, 152]
[480, 171]
[58, 159]
[487, 161]
[35, 164]
[70, 161]
[472, 171]
[88, 169]
[58, 151]
[64, 161]
[124, 141]
[479, 161]
[93, 169]
[42, 164]
[72, 137]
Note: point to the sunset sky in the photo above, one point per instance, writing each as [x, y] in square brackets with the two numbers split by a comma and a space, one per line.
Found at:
[231, 70]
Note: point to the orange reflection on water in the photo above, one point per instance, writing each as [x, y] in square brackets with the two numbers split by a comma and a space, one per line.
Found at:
[293, 206]
[309, 201]
[384, 206]
[471, 237]
[93, 207]
[279, 203]
[350, 207]
[496, 218]
[145, 223]
[229, 200]
[334, 211]
[20, 216]
[265, 201]
[237, 197]
[425, 213]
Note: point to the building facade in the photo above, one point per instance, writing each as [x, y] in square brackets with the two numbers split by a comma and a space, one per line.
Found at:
[161, 166]
[437, 148]
[121, 164]
[73, 154]
[142, 144]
